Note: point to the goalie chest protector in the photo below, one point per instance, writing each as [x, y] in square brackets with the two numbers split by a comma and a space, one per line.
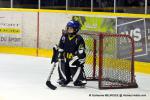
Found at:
[71, 44]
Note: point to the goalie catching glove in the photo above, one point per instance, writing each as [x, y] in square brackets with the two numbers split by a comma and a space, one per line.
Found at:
[76, 62]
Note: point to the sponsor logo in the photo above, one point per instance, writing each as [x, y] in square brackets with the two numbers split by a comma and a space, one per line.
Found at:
[135, 33]
[10, 31]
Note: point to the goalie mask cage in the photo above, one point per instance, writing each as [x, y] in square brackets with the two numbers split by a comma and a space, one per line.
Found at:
[110, 60]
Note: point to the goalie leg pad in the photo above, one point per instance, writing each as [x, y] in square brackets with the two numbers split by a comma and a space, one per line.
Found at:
[78, 76]
[64, 73]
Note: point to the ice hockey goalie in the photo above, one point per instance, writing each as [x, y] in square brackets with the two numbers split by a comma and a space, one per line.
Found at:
[71, 56]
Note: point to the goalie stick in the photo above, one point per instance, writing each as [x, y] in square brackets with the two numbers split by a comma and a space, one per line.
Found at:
[53, 62]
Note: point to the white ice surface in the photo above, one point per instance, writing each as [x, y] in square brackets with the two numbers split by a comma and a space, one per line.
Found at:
[24, 77]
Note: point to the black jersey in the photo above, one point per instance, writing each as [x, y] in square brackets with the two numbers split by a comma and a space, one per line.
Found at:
[71, 44]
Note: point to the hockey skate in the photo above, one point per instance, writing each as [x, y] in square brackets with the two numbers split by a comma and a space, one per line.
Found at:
[63, 83]
[80, 83]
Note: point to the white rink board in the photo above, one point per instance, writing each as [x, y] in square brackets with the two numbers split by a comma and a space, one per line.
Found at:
[25, 21]
[50, 27]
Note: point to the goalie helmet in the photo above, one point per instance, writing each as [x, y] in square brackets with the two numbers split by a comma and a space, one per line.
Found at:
[75, 25]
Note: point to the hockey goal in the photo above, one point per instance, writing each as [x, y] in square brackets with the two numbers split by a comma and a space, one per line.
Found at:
[110, 60]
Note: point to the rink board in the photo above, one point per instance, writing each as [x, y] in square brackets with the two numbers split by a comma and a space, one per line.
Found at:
[38, 38]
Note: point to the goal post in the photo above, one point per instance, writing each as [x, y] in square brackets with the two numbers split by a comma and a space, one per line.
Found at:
[110, 60]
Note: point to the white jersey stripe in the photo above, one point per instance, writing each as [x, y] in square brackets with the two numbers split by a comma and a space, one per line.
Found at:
[75, 77]
[61, 71]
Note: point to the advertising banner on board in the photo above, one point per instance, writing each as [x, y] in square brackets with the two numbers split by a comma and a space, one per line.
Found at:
[136, 29]
[98, 24]
[148, 33]
[10, 29]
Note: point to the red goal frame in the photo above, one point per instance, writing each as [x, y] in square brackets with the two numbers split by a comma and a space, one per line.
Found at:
[100, 38]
